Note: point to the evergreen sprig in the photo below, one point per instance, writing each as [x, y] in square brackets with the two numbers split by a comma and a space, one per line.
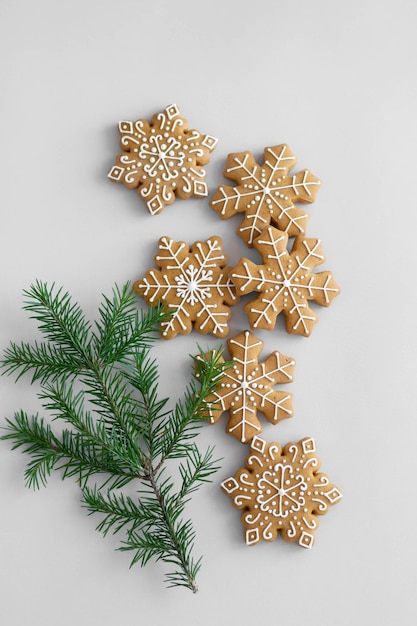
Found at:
[100, 381]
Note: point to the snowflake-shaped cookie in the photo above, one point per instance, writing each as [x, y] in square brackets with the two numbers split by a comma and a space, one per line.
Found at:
[281, 492]
[194, 284]
[247, 388]
[162, 159]
[265, 193]
[285, 282]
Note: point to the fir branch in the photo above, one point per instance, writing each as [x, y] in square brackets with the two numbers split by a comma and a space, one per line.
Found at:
[60, 320]
[192, 410]
[121, 329]
[108, 392]
[84, 457]
[119, 511]
[45, 361]
[111, 444]
[75, 455]
[169, 538]
[38, 441]
[63, 403]
[143, 376]
[197, 468]
[117, 428]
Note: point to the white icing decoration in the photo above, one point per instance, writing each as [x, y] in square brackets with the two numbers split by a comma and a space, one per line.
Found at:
[259, 193]
[248, 386]
[323, 481]
[288, 294]
[244, 479]
[194, 285]
[306, 540]
[292, 531]
[312, 524]
[312, 462]
[266, 534]
[163, 158]
[322, 506]
[333, 495]
[272, 496]
[252, 536]
[190, 287]
[253, 458]
[279, 501]
[258, 444]
[240, 500]
[293, 449]
[230, 484]
[309, 445]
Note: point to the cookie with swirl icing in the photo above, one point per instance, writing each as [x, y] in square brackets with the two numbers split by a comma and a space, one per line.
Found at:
[281, 492]
[162, 159]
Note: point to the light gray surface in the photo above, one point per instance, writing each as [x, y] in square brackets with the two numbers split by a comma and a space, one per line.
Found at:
[337, 82]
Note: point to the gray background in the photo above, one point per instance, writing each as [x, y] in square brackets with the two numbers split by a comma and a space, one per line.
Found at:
[337, 82]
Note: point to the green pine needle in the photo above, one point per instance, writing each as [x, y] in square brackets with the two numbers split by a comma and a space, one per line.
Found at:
[100, 381]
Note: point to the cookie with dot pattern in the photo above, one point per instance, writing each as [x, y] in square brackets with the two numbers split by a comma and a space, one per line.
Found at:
[285, 282]
[247, 388]
[266, 193]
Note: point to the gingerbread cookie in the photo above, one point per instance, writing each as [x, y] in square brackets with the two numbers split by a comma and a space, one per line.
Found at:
[193, 283]
[265, 193]
[247, 388]
[281, 492]
[285, 282]
[162, 159]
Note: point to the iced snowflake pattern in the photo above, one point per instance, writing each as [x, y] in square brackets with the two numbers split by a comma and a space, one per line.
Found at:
[194, 284]
[265, 193]
[247, 388]
[162, 159]
[280, 491]
[285, 282]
